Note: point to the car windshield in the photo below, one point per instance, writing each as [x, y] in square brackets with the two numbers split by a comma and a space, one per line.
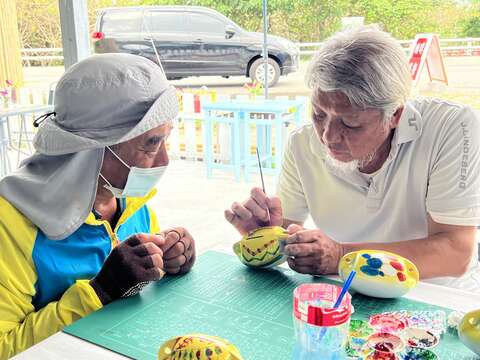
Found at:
[228, 21]
[121, 22]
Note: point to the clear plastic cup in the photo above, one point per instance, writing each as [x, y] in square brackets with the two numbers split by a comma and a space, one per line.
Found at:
[321, 331]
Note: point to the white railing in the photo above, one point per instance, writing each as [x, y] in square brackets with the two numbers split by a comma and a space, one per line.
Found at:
[450, 47]
[41, 55]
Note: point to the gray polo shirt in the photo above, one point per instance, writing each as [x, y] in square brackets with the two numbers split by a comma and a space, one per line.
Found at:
[433, 167]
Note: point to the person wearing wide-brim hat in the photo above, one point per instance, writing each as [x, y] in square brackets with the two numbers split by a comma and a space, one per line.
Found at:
[75, 233]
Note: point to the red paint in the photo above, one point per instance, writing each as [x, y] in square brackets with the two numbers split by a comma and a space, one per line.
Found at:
[396, 265]
[384, 346]
[412, 343]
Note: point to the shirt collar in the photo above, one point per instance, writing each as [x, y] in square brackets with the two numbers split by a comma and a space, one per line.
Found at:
[409, 127]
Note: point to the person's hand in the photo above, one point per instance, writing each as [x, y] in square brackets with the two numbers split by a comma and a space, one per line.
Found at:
[178, 250]
[130, 266]
[311, 251]
[252, 213]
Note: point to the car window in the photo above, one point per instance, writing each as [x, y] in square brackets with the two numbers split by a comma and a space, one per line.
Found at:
[165, 22]
[121, 22]
[204, 23]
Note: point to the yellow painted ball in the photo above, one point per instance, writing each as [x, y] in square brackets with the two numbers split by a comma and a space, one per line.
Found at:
[200, 347]
[469, 331]
[380, 274]
[261, 248]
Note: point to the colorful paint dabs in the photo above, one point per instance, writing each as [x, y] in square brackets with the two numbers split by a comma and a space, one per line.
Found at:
[419, 354]
[380, 355]
[381, 265]
[419, 338]
[360, 329]
[385, 342]
[388, 323]
[433, 321]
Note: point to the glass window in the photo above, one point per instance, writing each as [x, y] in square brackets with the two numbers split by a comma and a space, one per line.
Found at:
[165, 22]
[121, 22]
[204, 23]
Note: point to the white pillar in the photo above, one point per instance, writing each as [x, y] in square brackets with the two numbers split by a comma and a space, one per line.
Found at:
[74, 24]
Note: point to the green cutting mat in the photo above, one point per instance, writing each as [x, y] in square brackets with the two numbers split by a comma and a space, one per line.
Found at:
[220, 296]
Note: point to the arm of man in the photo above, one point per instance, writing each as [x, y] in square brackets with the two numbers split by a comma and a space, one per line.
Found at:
[446, 251]
[21, 325]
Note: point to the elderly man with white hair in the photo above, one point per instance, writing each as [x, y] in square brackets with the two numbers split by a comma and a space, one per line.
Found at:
[375, 170]
[75, 230]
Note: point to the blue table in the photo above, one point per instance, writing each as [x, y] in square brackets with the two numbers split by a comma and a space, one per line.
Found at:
[239, 118]
[5, 133]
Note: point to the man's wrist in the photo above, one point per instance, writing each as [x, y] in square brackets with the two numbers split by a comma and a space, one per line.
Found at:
[341, 252]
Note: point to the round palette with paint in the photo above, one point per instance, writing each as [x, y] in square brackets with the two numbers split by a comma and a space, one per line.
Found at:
[379, 355]
[419, 354]
[360, 329]
[386, 343]
[379, 273]
[419, 338]
[261, 248]
[387, 323]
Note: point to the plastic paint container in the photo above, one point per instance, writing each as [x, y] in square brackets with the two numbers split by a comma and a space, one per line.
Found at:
[321, 331]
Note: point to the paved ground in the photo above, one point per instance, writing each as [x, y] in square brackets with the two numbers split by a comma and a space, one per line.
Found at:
[463, 74]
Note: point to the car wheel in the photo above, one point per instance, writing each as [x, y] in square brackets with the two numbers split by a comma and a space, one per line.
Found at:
[257, 71]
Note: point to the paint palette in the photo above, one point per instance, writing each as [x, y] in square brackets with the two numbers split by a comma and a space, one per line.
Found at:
[261, 247]
[198, 346]
[379, 273]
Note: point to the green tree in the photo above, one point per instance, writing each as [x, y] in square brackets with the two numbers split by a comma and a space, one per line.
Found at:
[405, 18]
[471, 24]
[298, 20]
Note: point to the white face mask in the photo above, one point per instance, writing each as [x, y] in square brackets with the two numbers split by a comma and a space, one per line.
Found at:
[140, 181]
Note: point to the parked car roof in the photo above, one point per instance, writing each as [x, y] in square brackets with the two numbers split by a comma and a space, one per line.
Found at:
[165, 7]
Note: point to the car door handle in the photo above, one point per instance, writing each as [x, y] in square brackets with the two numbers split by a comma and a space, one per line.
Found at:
[198, 41]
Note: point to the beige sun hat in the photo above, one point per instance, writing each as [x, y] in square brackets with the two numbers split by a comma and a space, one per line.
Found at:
[103, 100]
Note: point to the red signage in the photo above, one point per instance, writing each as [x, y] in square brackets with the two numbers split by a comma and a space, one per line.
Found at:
[426, 51]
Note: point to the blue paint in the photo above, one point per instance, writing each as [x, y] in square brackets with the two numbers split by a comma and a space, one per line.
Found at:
[375, 263]
[367, 270]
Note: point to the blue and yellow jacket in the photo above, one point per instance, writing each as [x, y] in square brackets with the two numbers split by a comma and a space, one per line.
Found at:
[44, 284]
